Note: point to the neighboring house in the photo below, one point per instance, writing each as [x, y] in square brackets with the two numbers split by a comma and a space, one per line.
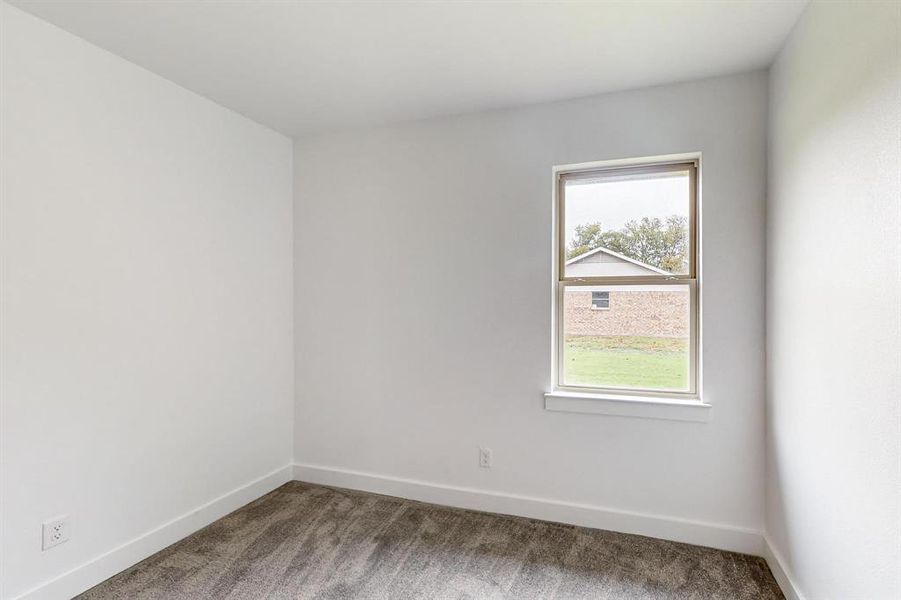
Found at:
[650, 310]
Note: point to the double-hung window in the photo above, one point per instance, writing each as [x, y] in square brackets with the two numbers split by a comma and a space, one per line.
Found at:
[627, 279]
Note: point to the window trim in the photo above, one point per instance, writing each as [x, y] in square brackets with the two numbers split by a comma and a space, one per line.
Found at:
[666, 408]
[560, 282]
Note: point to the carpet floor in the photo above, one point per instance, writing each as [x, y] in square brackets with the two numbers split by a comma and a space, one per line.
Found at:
[309, 541]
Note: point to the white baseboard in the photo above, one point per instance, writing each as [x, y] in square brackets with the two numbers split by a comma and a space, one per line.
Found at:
[118, 559]
[780, 571]
[714, 535]
[700, 533]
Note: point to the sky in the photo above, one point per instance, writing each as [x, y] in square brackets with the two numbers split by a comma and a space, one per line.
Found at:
[614, 203]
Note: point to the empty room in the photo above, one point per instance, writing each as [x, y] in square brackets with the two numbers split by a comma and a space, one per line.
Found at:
[450, 299]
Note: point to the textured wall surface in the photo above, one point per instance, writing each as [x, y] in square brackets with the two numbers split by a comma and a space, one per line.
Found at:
[833, 508]
[145, 347]
[445, 226]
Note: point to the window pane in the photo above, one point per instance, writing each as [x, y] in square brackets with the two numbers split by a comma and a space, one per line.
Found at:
[600, 299]
[620, 224]
[641, 341]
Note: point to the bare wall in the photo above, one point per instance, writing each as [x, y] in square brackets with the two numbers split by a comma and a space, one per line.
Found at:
[833, 509]
[438, 233]
[146, 300]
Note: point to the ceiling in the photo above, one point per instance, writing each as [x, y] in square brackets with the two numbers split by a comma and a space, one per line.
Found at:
[302, 67]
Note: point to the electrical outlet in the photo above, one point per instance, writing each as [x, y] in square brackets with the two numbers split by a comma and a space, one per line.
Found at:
[485, 458]
[55, 532]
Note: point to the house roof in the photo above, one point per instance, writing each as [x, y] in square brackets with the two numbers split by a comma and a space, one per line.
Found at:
[621, 257]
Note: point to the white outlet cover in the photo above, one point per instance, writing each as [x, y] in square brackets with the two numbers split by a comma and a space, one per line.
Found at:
[485, 458]
[55, 532]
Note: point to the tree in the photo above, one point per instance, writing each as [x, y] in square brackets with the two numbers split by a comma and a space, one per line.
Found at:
[587, 238]
[653, 241]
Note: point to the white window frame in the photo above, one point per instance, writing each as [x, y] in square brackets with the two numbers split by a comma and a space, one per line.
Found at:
[614, 400]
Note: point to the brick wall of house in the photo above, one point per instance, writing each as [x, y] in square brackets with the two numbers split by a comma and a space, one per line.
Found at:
[644, 313]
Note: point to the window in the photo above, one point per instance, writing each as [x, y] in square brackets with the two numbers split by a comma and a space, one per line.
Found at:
[600, 299]
[627, 282]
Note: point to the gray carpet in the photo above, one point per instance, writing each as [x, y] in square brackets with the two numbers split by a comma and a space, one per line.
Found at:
[309, 541]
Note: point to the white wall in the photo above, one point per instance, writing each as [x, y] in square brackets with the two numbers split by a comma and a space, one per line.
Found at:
[422, 262]
[834, 303]
[146, 300]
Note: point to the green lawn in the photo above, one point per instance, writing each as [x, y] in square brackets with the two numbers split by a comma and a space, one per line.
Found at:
[645, 362]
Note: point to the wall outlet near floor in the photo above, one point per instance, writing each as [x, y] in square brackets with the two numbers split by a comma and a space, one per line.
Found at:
[485, 458]
[55, 532]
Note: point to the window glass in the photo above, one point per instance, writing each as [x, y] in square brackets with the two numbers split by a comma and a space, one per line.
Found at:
[600, 299]
[622, 225]
[627, 288]
[640, 341]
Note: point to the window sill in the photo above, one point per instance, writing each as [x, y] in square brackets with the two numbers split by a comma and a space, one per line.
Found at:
[646, 407]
